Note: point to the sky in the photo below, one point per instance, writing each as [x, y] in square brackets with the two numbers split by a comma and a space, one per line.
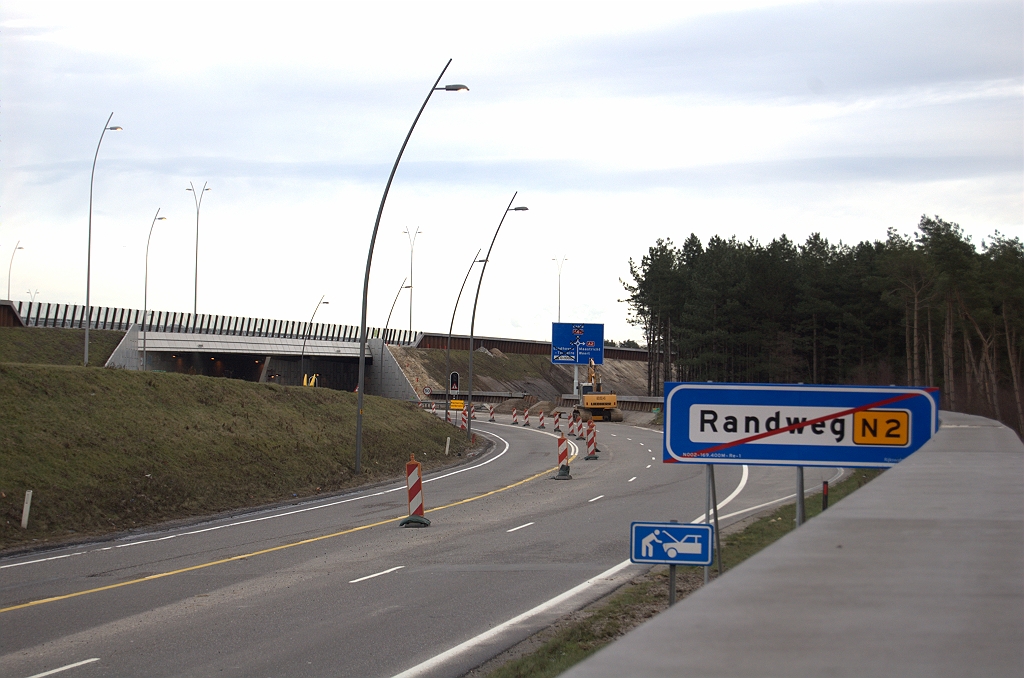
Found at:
[615, 123]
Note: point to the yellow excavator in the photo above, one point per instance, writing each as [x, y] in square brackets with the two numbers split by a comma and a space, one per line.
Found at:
[594, 403]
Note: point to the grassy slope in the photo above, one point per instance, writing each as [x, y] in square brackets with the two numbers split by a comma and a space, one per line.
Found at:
[51, 346]
[112, 449]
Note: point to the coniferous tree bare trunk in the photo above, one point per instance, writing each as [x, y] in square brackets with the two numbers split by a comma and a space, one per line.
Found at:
[929, 355]
[1011, 341]
[948, 367]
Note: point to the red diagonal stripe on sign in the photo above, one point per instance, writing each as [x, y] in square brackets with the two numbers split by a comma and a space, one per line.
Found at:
[802, 424]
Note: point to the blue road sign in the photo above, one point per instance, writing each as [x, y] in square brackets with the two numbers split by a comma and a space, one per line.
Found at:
[796, 425]
[577, 343]
[671, 543]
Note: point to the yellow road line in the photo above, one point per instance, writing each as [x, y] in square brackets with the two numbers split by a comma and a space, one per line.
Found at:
[282, 547]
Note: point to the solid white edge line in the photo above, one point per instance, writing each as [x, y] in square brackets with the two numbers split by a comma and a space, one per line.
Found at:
[371, 576]
[439, 659]
[520, 527]
[64, 668]
[739, 488]
[595, 498]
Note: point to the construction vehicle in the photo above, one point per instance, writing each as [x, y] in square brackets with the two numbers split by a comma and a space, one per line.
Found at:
[594, 403]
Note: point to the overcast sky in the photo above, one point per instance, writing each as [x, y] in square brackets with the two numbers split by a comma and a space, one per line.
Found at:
[617, 123]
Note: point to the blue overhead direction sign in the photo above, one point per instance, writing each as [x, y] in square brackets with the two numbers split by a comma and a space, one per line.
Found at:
[577, 343]
[671, 543]
[796, 425]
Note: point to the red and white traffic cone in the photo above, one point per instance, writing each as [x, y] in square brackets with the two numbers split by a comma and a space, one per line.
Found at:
[465, 418]
[526, 417]
[491, 410]
[515, 417]
[558, 422]
[591, 442]
[563, 459]
[541, 425]
[414, 486]
[472, 413]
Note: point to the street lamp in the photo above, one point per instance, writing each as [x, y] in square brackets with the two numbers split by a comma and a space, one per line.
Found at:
[199, 203]
[472, 322]
[448, 346]
[412, 245]
[145, 289]
[559, 263]
[384, 336]
[16, 248]
[88, 250]
[369, 260]
[302, 354]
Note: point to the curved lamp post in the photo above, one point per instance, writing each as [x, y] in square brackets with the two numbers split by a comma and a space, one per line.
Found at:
[559, 264]
[472, 322]
[448, 345]
[197, 196]
[369, 260]
[145, 289]
[412, 246]
[384, 335]
[302, 354]
[11, 266]
[88, 250]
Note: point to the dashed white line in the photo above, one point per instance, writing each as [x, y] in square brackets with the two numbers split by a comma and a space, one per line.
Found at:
[520, 527]
[595, 498]
[648, 466]
[371, 576]
[64, 668]
[631, 479]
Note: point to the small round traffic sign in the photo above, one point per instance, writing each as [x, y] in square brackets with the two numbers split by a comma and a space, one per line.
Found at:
[427, 390]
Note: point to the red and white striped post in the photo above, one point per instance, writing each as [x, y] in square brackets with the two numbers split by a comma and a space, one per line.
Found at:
[433, 407]
[515, 417]
[472, 412]
[541, 425]
[558, 422]
[591, 441]
[581, 429]
[465, 417]
[490, 408]
[563, 460]
[414, 485]
[526, 417]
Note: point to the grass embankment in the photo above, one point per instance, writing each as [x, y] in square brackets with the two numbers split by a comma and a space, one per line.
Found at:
[506, 368]
[575, 638]
[105, 450]
[53, 346]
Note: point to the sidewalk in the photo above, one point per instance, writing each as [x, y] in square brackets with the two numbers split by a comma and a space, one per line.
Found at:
[919, 573]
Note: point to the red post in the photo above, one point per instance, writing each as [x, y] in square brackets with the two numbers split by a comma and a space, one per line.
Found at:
[558, 422]
[491, 409]
[541, 420]
[515, 417]
[526, 417]
[563, 450]
[414, 483]
[591, 441]
[465, 416]
[824, 495]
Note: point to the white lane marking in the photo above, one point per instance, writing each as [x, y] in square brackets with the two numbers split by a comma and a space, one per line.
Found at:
[43, 560]
[437, 660]
[629, 439]
[774, 501]
[735, 493]
[648, 466]
[371, 576]
[652, 458]
[614, 436]
[631, 479]
[280, 515]
[595, 498]
[486, 636]
[519, 528]
[64, 668]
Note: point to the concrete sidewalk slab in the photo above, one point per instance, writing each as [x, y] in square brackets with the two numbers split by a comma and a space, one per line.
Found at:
[919, 573]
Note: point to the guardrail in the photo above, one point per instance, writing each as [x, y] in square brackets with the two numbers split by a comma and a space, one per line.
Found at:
[42, 314]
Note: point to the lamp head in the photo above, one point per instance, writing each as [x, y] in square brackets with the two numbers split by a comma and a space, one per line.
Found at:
[206, 189]
[519, 209]
[325, 302]
[115, 128]
[161, 218]
[456, 88]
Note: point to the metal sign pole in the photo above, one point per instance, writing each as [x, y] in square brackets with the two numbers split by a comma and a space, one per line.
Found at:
[707, 510]
[714, 510]
[672, 580]
[799, 495]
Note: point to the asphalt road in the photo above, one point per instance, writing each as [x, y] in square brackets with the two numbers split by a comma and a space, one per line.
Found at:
[336, 588]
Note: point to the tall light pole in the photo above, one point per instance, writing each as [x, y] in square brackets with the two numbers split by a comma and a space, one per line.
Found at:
[412, 246]
[88, 249]
[472, 322]
[16, 248]
[448, 345]
[369, 260]
[145, 290]
[559, 264]
[305, 336]
[197, 196]
[384, 336]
